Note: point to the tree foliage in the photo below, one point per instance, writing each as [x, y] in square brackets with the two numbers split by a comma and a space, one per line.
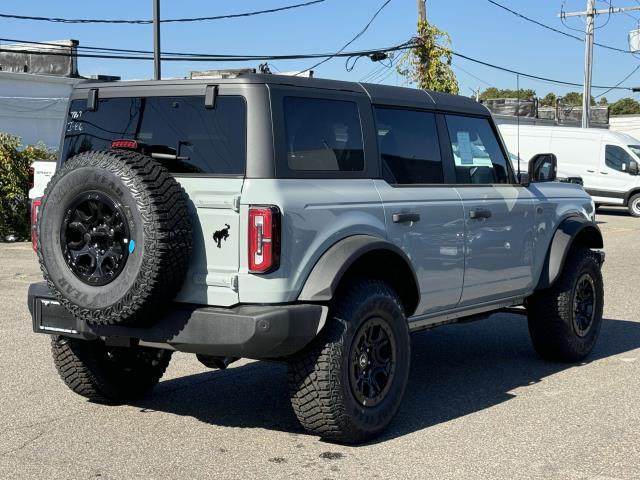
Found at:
[625, 106]
[428, 65]
[522, 94]
[549, 100]
[574, 99]
[14, 174]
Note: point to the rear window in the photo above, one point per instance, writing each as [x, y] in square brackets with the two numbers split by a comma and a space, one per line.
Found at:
[323, 135]
[179, 131]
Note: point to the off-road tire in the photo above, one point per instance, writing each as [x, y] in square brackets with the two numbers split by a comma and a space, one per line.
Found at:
[159, 223]
[320, 388]
[634, 205]
[109, 375]
[551, 311]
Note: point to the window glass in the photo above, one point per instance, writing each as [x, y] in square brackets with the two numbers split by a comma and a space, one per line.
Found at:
[635, 149]
[323, 135]
[178, 131]
[476, 151]
[616, 157]
[408, 143]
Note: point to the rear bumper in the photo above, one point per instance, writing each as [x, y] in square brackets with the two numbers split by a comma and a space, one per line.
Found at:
[251, 331]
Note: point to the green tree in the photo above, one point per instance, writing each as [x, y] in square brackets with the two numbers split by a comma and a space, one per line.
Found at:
[522, 94]
[575, 99]
[428, 65]
[603, 102]
[625, 106]
[549, 100]
[14, 173]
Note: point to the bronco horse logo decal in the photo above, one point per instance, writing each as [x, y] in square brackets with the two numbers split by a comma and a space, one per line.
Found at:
[221, 235]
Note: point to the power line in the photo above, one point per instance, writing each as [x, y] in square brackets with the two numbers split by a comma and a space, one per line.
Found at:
[184, 57]
[245, 58]
[167, 20]
[358, 35]
[620, 82]
[553, 29]
[534, 77]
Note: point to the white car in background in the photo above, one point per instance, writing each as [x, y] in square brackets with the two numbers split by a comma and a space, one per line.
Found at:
[606, 161]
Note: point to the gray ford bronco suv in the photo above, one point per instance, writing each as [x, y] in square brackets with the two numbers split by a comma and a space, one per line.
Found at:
[308, 221]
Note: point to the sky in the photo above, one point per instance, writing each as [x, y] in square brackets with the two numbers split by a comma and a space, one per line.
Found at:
[478, 29]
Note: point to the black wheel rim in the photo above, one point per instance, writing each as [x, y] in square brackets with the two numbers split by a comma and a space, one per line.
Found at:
[95, 238]
[372, 362]
[584, 305]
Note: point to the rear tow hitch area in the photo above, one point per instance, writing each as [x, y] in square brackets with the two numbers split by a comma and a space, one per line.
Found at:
[212, 361]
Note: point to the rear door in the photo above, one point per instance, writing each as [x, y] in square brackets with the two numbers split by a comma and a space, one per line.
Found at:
[204, 147]
[424, 217]
[498, 214]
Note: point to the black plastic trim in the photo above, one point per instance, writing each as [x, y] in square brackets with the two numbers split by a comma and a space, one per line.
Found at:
[251, 331]
[323, 281]
[561, 243]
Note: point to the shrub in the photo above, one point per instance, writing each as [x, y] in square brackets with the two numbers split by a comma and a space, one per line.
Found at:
[14, 174]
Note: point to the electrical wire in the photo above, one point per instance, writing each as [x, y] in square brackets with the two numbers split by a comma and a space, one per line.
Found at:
[553, 29]
[620, 82]
[166, 20]
[358, 35]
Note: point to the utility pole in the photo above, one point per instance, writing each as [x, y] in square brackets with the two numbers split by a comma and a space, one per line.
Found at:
[422, 11]
[588, 64]
[156, 40]
[591, 14]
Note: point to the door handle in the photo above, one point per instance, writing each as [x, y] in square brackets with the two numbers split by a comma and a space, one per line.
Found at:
[477, 213]
[405, 217]
[605, 173]
[591, 171]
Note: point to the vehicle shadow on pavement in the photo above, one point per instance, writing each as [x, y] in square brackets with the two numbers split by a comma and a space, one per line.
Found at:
[456, 370]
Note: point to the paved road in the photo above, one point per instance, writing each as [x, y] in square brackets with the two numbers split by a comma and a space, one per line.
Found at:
[480, 404]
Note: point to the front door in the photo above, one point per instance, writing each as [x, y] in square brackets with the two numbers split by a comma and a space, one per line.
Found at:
[498, 214]
[424, 217]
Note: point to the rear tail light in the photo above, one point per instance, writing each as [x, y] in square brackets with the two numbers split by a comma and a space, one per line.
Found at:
[36, 203]
[31, 178]
[125, 144]
[264, 239]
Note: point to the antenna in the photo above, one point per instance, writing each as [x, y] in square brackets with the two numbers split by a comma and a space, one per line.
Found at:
[518, 119]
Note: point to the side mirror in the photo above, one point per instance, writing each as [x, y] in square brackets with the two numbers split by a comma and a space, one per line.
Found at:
[543, 167]
[633, 168]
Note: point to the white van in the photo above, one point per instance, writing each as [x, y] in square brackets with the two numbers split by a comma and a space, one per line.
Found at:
[607, 161]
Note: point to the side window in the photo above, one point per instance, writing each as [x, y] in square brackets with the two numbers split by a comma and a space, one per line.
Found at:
[408, 144]
[615, 157]
[476, 151]
[323, 135]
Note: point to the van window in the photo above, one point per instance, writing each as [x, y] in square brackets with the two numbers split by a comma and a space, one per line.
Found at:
[408, 144]
[323, 135]
[200, 140]
[476, 151]
[615, 157]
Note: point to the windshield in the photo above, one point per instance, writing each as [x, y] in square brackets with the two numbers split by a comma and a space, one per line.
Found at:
[635, 149]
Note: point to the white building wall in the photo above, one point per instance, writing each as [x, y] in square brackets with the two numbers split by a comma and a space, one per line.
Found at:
[629, 124]
[34, 106]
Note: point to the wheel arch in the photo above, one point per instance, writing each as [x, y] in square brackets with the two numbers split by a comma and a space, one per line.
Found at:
[362, 255]
[572, 231]
[630, 194]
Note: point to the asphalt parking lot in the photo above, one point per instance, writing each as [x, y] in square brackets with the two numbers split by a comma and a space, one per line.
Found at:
[480, 404]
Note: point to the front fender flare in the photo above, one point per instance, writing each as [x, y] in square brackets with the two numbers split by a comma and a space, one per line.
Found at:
[570, 230]
[322, 282]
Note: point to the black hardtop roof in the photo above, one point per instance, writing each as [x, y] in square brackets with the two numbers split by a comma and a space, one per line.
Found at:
[379, 94]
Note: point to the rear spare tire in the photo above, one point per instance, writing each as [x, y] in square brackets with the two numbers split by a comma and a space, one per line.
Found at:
[114, 236]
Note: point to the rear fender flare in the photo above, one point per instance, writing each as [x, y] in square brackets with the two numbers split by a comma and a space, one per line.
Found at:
[323, 281]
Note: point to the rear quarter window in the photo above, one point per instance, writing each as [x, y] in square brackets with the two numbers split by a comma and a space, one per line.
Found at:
[179, 131]
[323, 135]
